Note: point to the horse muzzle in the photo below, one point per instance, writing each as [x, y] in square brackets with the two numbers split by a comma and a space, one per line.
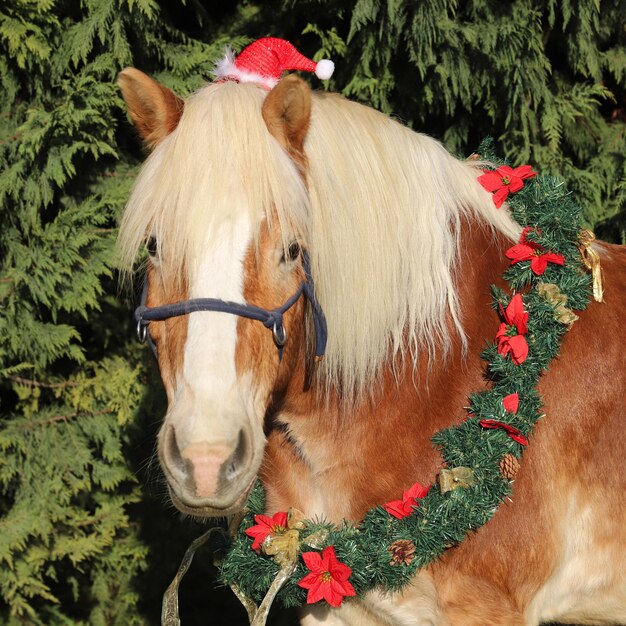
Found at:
[209, 478]
[210, 509]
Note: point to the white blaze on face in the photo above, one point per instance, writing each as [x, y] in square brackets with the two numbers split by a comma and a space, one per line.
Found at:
[209, 410]
[211, 336]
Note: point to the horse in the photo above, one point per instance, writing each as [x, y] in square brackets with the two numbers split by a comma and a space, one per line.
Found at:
[246, 195]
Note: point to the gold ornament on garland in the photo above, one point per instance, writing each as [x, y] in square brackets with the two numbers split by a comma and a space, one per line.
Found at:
[591, 259]
[450, 479]
[285, 546]
[552, 294]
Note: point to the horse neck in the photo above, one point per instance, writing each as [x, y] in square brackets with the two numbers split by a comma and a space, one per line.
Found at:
[380, 445]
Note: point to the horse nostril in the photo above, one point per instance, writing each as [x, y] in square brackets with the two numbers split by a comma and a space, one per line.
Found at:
[172, 451]
[236, 461]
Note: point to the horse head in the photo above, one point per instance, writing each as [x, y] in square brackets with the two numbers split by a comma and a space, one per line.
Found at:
[242, 251]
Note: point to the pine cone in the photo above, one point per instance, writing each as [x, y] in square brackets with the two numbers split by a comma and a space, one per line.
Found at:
[509, 466]
[402, 552]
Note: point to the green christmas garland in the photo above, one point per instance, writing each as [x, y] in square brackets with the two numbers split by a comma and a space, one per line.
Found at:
[481, 453]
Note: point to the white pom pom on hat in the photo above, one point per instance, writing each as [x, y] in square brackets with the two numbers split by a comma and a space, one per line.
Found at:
[324, 69]
[264, 61]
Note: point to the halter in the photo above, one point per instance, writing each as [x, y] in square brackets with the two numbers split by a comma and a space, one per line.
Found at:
[271, 319]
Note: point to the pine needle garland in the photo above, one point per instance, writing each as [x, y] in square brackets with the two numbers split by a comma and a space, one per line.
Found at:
[386, 552]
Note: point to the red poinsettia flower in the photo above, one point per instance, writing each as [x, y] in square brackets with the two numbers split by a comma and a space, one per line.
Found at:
[527, 250]
[328, 579]
[505, 180]
[511, 403]
[510, 335]
[403, 508]
[511, 431]
[266, 527]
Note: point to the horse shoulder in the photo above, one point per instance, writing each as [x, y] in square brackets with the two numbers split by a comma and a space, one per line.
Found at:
[556, 550]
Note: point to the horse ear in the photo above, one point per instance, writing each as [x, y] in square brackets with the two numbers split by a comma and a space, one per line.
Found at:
[287, 113]
[154, 109]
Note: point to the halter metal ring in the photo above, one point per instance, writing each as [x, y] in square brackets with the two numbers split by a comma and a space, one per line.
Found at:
[142, 331]
[279, 334]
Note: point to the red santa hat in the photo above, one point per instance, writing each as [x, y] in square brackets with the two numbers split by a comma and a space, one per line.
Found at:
[264, 61]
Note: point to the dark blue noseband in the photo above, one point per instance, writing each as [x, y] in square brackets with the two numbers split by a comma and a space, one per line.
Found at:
[272, 320]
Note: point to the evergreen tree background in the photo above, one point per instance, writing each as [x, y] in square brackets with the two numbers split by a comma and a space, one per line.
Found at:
[86, 534]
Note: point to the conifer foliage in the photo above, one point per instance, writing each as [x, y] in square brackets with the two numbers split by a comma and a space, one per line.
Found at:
[546, 79]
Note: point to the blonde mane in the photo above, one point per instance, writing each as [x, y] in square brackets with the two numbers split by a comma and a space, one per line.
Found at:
[381, 217]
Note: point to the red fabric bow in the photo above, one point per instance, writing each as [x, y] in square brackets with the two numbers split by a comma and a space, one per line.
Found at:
[328, 579]
[505, 180]
[511, 431]
[527, 250]
[510, 336]
[403, 508]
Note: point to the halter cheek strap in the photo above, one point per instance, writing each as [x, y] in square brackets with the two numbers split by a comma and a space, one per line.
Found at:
[271, 319]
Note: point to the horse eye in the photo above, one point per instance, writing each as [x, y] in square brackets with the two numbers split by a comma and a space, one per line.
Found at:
[151, 246]
[293, 252]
